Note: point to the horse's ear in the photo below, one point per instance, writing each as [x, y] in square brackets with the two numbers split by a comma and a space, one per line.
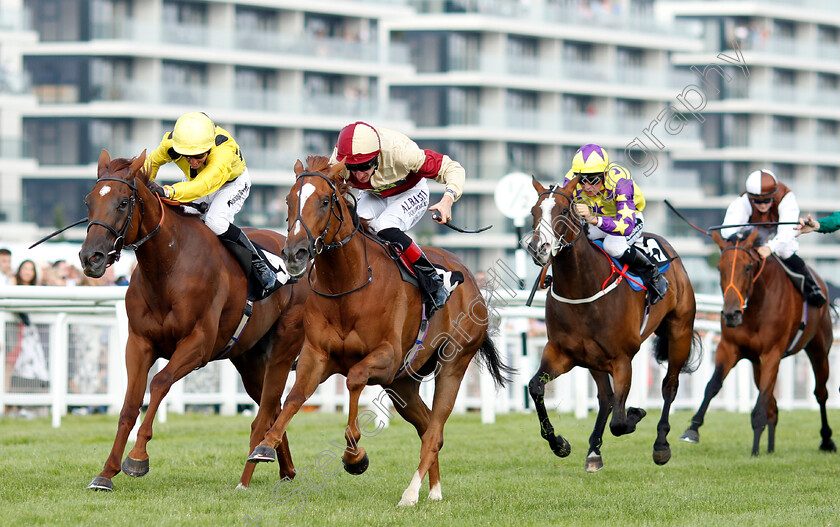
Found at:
[718, 239]
[537, 185]
[750, 240]
[298, 168]
[104, 161]
[335, 171]
[571, 185]
[137, 166]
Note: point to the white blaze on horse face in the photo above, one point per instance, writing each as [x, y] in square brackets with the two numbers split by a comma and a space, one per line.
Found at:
[544, 227]
[306, 192]
[104, 190]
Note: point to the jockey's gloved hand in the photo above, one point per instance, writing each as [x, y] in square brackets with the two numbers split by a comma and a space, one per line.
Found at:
[161, 192]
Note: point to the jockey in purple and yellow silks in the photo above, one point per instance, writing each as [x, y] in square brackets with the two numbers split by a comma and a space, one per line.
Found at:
[215, 175]
[610, 201]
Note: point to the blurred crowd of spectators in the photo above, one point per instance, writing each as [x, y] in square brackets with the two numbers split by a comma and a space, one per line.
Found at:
[55, 273]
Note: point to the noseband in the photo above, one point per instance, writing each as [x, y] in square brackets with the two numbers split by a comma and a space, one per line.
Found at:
[731, 285]
[119, 236]
[557, 244]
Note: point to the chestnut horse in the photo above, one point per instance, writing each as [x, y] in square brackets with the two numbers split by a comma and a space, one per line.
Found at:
[362, 320]
[760, 321]
[599, 326]
[184, 302]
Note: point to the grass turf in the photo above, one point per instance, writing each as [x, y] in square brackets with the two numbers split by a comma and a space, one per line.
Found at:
[502, 474]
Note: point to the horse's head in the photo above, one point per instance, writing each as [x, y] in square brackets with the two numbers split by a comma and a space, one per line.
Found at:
[556, 225]
[111, 206]
[317, 212]
[739, 265]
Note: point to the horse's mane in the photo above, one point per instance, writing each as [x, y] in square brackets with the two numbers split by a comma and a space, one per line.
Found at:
[760, 239]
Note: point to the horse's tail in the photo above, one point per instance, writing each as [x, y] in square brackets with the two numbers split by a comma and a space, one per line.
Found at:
[660, 352]
[489, 354]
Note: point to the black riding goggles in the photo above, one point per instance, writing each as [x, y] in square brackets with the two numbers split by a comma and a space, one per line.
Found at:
[761, 201]
[362, 167]
[591, 179]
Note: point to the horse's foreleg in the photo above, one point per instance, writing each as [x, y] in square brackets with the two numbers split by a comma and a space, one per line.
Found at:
[765, 377]
[185, 359]
[409, 404]
[623, 420]
[139, 360]
[374, 368]
[447, 384]
[553, 364]
[670, 385]
[311, 370]
[726, 357]
[818, 355]
[594, 462]
[772, 421]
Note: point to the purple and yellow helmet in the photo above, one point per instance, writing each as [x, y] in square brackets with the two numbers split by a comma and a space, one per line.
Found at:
[590, 159]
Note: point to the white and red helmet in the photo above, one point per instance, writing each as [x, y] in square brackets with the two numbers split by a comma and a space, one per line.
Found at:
[358, 143]
[761, 183]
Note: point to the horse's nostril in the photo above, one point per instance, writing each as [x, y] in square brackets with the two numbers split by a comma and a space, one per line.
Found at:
[301, 255]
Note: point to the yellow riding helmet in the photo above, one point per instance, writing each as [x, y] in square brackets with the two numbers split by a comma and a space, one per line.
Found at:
[194, 134]
[590, 159]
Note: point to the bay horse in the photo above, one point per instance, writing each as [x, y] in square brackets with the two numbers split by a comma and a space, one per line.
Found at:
[362, 320]
[760, 321]
[601, 327]
[184, 303]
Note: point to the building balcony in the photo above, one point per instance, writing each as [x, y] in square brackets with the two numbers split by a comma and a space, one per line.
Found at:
[14, 19]
[11, 148]
[205, 37]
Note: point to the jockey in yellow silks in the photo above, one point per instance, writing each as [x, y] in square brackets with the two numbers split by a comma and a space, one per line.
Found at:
[214, 175]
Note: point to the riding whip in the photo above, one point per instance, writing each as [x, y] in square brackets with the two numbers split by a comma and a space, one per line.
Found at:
[761, 224]
[436, 217]
[56, 233]
[679, 214]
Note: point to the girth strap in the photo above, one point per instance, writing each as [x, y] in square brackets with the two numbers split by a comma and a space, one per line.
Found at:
[246, 316]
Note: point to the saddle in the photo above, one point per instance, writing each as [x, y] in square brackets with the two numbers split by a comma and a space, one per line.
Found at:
[451, 279]
[243, 256]
[655, 252]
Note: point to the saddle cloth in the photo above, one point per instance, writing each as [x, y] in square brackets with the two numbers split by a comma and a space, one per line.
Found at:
[655, 252]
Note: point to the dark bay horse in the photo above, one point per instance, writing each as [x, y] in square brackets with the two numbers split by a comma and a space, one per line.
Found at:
[362, 319]
[597, 326]
[184, 302]
[762, 310]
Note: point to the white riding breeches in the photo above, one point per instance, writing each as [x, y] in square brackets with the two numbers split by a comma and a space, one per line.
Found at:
[225, 203]
[402, 211]
[614, 244]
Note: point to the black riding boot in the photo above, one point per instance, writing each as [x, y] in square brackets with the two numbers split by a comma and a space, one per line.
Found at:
[812, 291]
[653, 279]
[430, 281]
[265, 276]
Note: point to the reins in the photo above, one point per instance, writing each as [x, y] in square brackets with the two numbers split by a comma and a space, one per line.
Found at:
[731, 284]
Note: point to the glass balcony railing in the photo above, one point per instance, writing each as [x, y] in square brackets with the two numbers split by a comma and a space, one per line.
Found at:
[569, 70]
[13, 148]
[13, 19]
[261, 41]
[590, 15]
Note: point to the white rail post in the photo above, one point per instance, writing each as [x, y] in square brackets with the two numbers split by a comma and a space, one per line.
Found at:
[58, 368]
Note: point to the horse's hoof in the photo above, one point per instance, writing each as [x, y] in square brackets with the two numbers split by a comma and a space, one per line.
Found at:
[636, 414]
[660, 457]
[560, 446]
[358, 467]
[594, 463]
[100, 483]
[240, 486]
[135, 467]
[262, 454]
[690, 436]
[828, 446]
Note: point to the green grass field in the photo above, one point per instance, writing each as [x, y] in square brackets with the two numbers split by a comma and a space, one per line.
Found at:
[502, 474]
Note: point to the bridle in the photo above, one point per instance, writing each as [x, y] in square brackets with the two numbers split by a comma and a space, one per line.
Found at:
[752, 254]
[119, 236]
[317, 244]
[559, 242]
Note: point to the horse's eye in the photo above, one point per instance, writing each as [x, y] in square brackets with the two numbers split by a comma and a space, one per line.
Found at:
[749, 268]
[123, 204]
[325, 201]
[565, 210]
